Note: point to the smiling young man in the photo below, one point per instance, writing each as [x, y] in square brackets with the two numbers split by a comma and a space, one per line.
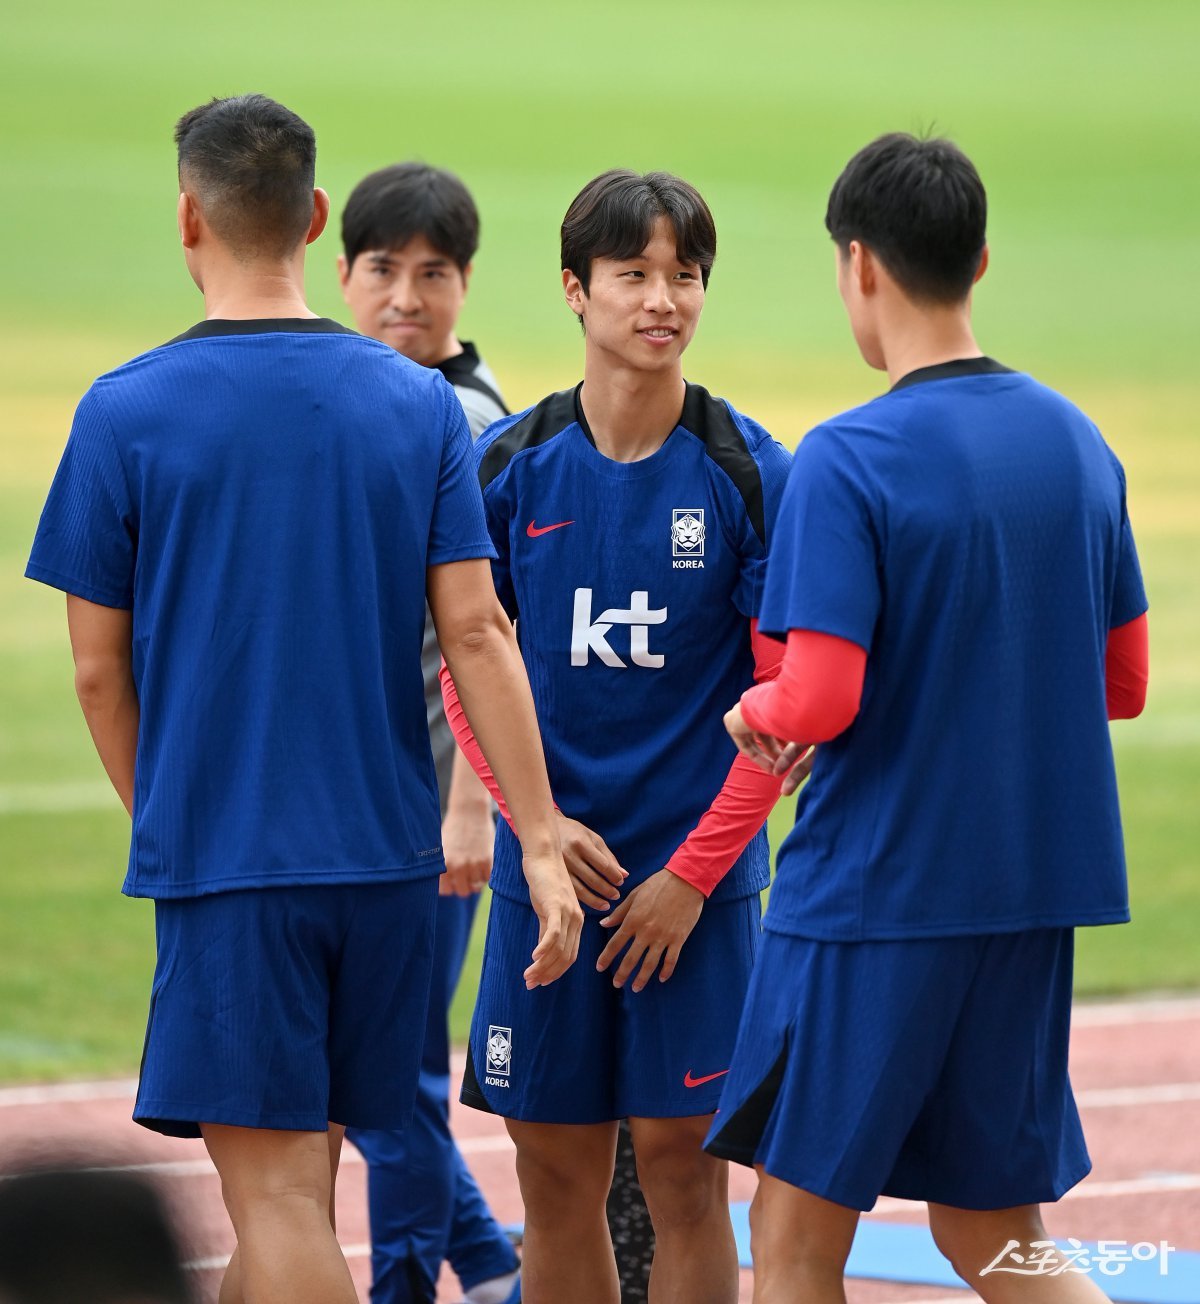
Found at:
[409, 235]
[247, 522]
[631, 516]
[956, 577]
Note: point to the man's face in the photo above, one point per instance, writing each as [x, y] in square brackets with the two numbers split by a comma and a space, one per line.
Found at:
[641, 312]
[409, 298]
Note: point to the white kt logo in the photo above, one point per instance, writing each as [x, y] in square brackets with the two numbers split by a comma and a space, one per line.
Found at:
[588, 636]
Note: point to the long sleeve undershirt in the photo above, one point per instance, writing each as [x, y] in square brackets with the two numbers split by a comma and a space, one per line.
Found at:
[819, 689]
[736, 813]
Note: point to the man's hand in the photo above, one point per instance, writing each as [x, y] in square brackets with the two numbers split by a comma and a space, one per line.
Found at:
[771, 754]
[560, 919]
[653, 921]
[467, 839]
[595, 874]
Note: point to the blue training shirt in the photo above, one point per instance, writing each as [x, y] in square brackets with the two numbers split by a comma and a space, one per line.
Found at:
[265, 496]
[969, 530]
[632, 585]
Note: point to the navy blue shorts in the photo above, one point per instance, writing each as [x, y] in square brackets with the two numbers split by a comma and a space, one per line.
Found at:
[288, 1007]
[583, 1051]
[930, 1069]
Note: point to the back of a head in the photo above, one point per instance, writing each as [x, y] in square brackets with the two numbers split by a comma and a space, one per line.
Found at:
[251, 165]
[920, 207]
[613, 216]
[390, 207]
[101, 1237]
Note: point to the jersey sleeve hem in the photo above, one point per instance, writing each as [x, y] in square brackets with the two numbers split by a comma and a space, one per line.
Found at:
[780, 629]
[79, 588]
[466, 552]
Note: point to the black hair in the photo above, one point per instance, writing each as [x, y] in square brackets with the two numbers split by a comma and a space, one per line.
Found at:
[104, 1237]
[389, 207]
[613, 216]
[251, 164]
[920, 207]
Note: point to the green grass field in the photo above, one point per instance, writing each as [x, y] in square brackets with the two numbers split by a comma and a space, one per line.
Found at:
[1082, 116]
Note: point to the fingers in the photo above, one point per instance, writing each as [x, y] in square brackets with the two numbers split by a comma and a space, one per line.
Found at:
[653, 955]
[557, 946]
[670, 960]
[590, 886]
[799, 772]
[587, 897]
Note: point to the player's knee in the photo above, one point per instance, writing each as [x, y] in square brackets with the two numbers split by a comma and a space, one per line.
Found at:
[252, 1196]
[971, 1239]
[555, 1182]
[682, 1184]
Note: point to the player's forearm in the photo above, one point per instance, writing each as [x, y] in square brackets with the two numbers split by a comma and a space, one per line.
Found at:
[468, 793]
[493, 690]
[738, 811]
[109, 701]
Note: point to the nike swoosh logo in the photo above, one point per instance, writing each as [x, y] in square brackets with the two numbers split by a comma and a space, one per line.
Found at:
[689, 1081]
[533, 530]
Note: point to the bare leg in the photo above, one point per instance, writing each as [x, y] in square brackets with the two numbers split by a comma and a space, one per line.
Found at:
[971, 1240]
[565, 1172]
[278, 1190]
[800, 1244]
[687, 1193]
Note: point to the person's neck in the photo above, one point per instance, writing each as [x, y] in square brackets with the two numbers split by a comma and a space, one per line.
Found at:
[916, 339]
[630, 413]
[240, 292]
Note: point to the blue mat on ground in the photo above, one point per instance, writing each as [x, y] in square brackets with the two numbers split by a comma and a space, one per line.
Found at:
[904, 1252]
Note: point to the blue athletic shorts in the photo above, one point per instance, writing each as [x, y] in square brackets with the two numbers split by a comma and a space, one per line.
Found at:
[288, 1007]
[583, 1051]
[930, 1069]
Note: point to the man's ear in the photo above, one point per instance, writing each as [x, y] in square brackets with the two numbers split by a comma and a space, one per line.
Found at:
[320, 215]
[188, 215]
[573, 292]
[863, 268]
[983, 265]
[465, 273]
[343, 271]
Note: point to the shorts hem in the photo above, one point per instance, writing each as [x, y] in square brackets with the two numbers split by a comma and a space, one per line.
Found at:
[1046, 1193]
[185, 1120]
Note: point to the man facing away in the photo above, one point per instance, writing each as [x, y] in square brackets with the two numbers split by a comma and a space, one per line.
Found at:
[247, 522]
[956, 578]
[409, 235]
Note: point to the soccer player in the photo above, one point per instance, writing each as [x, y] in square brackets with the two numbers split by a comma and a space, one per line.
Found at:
[247, 521]
[956, 579]
[409, 235]
[631, 516]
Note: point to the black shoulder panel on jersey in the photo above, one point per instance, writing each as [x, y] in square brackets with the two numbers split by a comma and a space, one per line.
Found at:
[710, 420]
[541, 423]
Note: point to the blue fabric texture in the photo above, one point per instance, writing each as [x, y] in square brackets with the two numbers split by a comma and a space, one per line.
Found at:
[633, 585]
[266, 497]
[971, 534]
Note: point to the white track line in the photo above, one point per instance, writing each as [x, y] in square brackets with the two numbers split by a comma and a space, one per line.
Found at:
[1151, 1009]
[55, 1093]
[1168, 1093]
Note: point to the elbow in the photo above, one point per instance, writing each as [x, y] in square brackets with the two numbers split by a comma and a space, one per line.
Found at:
[99, 681]
[1130, 701]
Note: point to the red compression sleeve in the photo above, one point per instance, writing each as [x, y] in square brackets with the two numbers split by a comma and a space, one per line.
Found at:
[1127, 668]
[743, 803]
[464, 736]
[817, 693]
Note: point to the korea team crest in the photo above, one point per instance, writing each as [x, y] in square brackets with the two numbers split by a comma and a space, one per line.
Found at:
[687, 538]
[499, 1052]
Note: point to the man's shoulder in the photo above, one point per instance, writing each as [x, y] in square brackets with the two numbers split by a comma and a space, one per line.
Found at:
[533, 428]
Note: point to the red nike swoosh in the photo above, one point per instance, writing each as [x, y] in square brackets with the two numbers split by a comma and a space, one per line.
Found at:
[533, 531]
[689, 1081]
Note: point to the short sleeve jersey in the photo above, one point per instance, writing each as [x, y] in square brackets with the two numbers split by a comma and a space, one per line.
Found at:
[633, 586]
[265, 496]
[969, 530]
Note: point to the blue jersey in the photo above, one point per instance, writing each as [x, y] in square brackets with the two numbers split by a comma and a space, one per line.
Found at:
[632, 585]
[266, 496]
[968, 529]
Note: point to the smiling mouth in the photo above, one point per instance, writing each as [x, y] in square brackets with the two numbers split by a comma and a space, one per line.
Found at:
[658, 333]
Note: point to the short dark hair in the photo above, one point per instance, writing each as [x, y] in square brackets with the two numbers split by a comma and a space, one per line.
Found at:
[103, 1237]
[389, 207]
[251, 163]
[920, 207]
[613, 216]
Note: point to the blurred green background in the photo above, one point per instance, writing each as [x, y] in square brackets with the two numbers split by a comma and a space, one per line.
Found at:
[1082, 115]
